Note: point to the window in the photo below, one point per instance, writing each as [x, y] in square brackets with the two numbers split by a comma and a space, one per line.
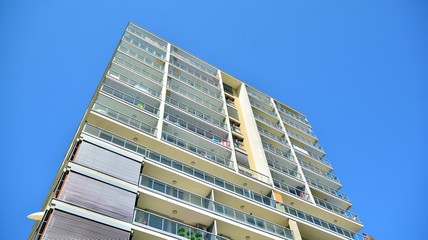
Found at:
[228, 88]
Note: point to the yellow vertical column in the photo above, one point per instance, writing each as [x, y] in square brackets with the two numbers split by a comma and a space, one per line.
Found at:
[293, 226]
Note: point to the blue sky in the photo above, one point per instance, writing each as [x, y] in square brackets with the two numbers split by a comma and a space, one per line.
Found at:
[358, 69]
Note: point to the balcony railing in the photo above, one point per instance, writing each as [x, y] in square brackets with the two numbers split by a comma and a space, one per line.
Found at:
[235, 128]
[215, 207]
[257, 96]
[162, 224]
[272, 136]
[140, 58]
[253, 174]
[123, 118]
[327, 189]
[204, 77]
[136, 69]
[326, 205]
[291, 190]
[277, 151]
[146, 36]
[197, 150]
[304, 140]
[302, 129]
[300, 118]
[200, 131]
[312, 168]
[195, 112]
[238, 143]
[143, 45]
[203, 176]
[263, 109]
[195, 85]
[195, 98]
[264, 120]
[285, 170]
[218, 182]
[130, 82]
[313, 156]
[194, 63]
[130, 99]
[230, 102]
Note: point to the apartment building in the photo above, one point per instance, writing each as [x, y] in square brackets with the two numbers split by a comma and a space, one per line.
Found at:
[171, 147]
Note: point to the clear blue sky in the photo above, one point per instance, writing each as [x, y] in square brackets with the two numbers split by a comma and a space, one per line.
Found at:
[358, 69]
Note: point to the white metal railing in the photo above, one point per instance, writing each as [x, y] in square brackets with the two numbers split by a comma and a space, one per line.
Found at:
[130, 99]
[130, 82]
[195, 112]
[140, 58]
[272, 136]
[123, 118]
[327, 189]
[146, 36]
[265, 121]
[143, 44]
[195, 98]
[193, 148]
[117, 59]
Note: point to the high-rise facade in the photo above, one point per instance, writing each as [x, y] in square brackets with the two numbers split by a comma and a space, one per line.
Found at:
[171, 147]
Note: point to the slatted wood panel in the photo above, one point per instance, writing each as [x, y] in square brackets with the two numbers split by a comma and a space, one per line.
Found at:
[108, 162]
[62, 225]
[98, 196]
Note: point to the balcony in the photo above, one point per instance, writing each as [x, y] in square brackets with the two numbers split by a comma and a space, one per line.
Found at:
[244, 170]
[298, 117]
[233, 112]
[296, 136]
[204, 93]
[131, 39]
[312, 156]
[327, 189]
[267, 122]
[206, 89]
[194, 61]
[272, 136]
[238, 142]
[199, 151]
[284, 170]
[304, 130]
[296, 191]
[271, 113]
[141, 85]
[141, 56]
[195, 72]
[161, 224]
[136, 67]
[198, 128]
[259, 96]
[180, 89]
[123, 118]
[276, 151]
[192, 111]
[133, 99]
[319, 171]
[215, 207]
[230, 101]
[155, 41]
[235, 127]
[204, 176]
[326, 205]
